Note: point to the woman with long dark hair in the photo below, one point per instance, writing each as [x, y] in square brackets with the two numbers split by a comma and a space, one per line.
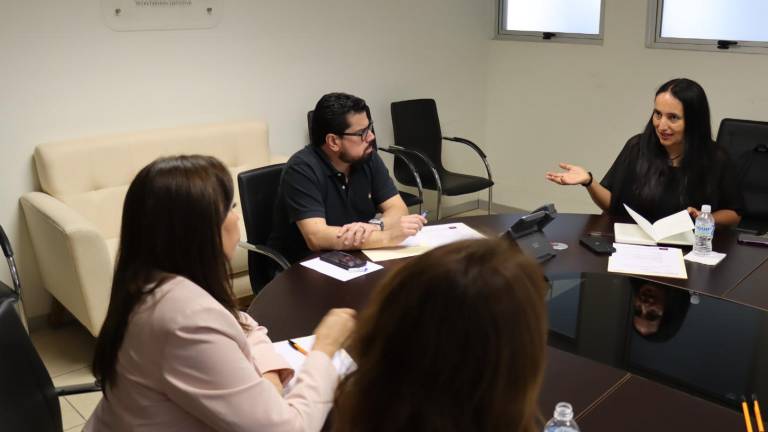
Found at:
[671, 166]
[174, 353]
[452, 341]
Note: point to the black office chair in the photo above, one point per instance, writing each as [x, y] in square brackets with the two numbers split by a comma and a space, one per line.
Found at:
[409, 198]
[417, 131]
[258, 193]
[747, 143]
[28, 399]
[5, 290]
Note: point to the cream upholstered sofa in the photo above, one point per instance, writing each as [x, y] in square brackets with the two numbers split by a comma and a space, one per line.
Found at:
[74, 222]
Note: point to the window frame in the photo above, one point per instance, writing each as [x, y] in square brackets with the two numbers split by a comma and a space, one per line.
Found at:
[539, 36]
[654, 39]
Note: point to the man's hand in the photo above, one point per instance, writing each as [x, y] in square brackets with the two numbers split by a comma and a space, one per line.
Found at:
[693, 212]
[409, 225]
[357, 233]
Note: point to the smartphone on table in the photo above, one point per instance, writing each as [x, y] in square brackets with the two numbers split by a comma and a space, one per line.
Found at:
[343, 260]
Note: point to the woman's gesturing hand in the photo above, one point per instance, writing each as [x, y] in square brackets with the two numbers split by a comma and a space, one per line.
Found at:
[572, 175]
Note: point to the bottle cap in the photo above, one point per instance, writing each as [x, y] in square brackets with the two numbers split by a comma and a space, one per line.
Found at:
[563, 411]
[706, 208]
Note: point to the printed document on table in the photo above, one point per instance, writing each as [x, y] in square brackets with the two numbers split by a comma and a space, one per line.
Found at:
[648, 261]
[430, 237]
[674, 229]
[339, 273]
[341, 361]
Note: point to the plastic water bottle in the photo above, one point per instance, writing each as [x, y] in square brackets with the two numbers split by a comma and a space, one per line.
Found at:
[563, 419]
[704, 231]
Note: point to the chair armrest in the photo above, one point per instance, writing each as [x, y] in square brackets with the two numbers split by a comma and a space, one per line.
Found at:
[469, 143]
[267, 251]
[72, 255]
[477, 150]
[425, 159]
[78, 389]
[402, 155]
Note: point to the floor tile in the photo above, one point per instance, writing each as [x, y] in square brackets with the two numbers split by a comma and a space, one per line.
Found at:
[85, 403]
[79, 376]
[69, 416]
[64, 349]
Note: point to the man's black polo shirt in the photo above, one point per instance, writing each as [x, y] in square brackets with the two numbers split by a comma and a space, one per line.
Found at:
[311, 187]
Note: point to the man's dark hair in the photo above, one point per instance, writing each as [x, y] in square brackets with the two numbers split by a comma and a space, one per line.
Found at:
[330, 115]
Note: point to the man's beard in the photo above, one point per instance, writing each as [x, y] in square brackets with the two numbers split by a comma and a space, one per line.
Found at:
[346, 158]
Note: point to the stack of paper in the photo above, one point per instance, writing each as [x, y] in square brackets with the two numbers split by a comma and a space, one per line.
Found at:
[429, 237]
[341, 361]
[675, 229]
[712, 258]
[648, 261]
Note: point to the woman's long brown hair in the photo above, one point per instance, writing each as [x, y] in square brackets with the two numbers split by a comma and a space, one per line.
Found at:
[171, 226]
[453, 341]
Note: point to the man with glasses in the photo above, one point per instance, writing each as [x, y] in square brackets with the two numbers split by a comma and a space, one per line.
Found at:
[332, 189]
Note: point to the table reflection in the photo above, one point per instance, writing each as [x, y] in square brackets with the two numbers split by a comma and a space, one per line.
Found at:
[703, 345]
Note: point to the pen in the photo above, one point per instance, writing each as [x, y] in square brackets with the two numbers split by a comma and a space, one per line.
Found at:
[745, 410]
[298, 348]
[424, 214]
[758, 417]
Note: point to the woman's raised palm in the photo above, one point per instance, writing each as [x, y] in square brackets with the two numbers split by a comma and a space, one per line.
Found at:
[572, 175]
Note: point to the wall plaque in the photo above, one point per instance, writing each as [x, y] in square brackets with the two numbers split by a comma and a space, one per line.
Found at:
[137, 15]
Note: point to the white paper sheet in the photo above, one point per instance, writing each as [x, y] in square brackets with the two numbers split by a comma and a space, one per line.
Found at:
[339, 273]
[431, 236]
[648, 260]
[713, 258]
[341, 361]
[676, 229]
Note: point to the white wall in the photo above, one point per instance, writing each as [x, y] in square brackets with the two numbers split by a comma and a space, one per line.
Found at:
[551, 102]
[64, 74]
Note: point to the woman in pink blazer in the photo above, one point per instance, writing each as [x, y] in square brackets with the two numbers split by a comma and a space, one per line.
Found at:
[174, 353]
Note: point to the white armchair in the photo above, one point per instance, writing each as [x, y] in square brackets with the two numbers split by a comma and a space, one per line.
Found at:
[74, 222]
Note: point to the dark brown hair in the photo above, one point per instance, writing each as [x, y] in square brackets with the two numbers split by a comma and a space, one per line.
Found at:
[172, 218]
[453, 341]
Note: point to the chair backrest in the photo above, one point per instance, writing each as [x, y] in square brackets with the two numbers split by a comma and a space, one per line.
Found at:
[416, 126]
[28, 400]
[747, 143]
[258, 194]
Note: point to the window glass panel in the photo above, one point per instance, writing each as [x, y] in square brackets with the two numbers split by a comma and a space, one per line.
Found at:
[739, 20]
[557, 16]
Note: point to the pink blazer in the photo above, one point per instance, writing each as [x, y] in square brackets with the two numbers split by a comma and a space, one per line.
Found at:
[186, 365]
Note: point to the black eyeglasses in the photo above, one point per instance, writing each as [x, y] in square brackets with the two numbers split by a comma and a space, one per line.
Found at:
[363, 134]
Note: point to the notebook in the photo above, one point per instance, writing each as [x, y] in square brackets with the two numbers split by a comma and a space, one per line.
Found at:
[675, 229]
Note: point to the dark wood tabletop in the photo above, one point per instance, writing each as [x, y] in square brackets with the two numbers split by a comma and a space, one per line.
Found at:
[604, 398]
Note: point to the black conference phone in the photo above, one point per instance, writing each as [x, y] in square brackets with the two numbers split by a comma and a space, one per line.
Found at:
[528, 233]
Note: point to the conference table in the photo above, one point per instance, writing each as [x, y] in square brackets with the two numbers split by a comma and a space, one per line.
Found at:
[614, 378]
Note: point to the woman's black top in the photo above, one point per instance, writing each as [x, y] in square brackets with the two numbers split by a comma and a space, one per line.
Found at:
[622, 181]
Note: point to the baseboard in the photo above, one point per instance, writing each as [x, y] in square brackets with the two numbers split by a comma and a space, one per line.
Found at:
[478, 204]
